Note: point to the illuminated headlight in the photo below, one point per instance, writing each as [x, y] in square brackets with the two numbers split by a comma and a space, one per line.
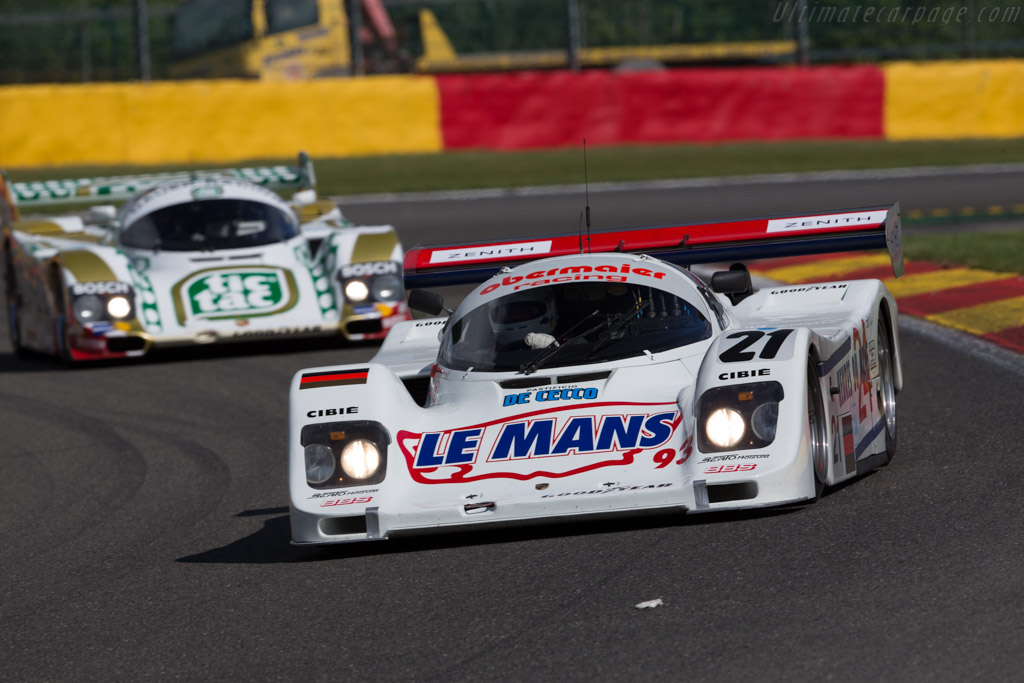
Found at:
[319, 463]
[726, 411]
[725, 427]
[765, 420]
[356, 290]
[387, 288]
[119, 307]
[348, 453]
[88, 308]
[360, 459]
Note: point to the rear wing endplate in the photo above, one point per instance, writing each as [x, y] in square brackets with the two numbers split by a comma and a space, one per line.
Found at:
[686, 245]
[122, 188]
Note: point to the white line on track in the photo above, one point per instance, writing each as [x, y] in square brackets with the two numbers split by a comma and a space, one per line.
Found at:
[685, 183]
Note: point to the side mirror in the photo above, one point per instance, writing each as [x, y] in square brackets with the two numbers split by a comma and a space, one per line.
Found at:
[304, 197]
[734, 283]
[102, 213]
[423, 301]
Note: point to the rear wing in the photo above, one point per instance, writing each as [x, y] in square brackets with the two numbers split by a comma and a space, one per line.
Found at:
[122, 188]
[686, 245]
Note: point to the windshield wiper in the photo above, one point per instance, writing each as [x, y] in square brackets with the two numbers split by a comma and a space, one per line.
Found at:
[558, 345]
[615, 324]
[607, 326]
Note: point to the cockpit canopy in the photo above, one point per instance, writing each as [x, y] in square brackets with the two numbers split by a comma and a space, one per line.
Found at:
[209, 224]
[587, 322]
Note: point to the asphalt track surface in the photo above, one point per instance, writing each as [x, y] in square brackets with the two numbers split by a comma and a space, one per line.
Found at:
[144, 529]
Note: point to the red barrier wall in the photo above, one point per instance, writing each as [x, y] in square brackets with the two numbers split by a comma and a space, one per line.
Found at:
[557, 108]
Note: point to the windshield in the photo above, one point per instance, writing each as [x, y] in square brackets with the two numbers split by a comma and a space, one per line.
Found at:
[571, 324]
[210, 224]
[204, 25]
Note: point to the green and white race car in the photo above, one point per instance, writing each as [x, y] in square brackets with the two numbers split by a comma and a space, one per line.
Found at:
[191, 258]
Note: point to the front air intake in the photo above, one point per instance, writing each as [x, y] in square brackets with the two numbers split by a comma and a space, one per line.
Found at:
[584, 377]
[342, 526]
[121, 344]
[364, 326]
[418, 387]
[723, 493]
[524, 382]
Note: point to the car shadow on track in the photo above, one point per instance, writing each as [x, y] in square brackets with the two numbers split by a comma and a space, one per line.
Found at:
[271, 544]
[38, 362]
[11, 362]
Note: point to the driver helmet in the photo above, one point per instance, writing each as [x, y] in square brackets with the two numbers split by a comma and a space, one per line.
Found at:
[515, 316]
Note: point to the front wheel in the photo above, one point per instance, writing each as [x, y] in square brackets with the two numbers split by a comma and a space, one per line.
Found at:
[13, 311]
[60, 334]
[13, 329]
[61, 345]
[817, 430]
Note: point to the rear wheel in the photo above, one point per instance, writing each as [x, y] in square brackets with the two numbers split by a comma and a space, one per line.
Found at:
[817, 430]
[887, 386]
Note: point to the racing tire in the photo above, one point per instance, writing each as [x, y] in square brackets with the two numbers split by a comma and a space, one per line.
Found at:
[886, 394]
[13, 311]
[13, 331]
[60, 336]
[60, 322]
[817, 429]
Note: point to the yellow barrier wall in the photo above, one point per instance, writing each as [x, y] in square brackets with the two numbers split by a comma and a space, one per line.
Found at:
[942, 100]
[216, 121]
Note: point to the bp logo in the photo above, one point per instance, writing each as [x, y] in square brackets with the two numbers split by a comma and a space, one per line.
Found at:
[242, 292]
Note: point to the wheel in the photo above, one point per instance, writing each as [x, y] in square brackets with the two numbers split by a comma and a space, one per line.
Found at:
[60, 322]
[13, 332]
[817, 429]
[13, 310]
[61, 338]
[886, 386]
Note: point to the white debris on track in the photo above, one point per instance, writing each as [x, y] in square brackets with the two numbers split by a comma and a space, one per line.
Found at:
[649, 604]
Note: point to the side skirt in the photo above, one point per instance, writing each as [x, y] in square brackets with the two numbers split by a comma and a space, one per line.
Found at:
[872, 462]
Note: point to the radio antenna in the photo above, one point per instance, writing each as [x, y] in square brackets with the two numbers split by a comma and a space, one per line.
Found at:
[579, 231]
[586, 186]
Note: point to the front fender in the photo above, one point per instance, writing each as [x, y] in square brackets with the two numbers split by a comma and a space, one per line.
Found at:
[340, 398]
[745, 368]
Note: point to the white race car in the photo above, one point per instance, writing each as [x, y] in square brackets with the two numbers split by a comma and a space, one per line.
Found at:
[191, 258]
[600, 382]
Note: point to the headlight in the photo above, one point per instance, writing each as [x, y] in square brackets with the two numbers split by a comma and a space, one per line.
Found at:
[346, 453]
[319, 463]
[360, 459]
[724, 413]
[764, 421]
[119, 307]
[356, 290]
[88, 308]
[387, 288]
[725, 427]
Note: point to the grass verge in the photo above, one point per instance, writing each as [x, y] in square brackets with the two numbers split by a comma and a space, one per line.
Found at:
[998, 250]
[479, 169]
[994, 250]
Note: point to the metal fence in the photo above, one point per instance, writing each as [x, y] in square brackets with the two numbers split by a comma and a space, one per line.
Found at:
[115, 40]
